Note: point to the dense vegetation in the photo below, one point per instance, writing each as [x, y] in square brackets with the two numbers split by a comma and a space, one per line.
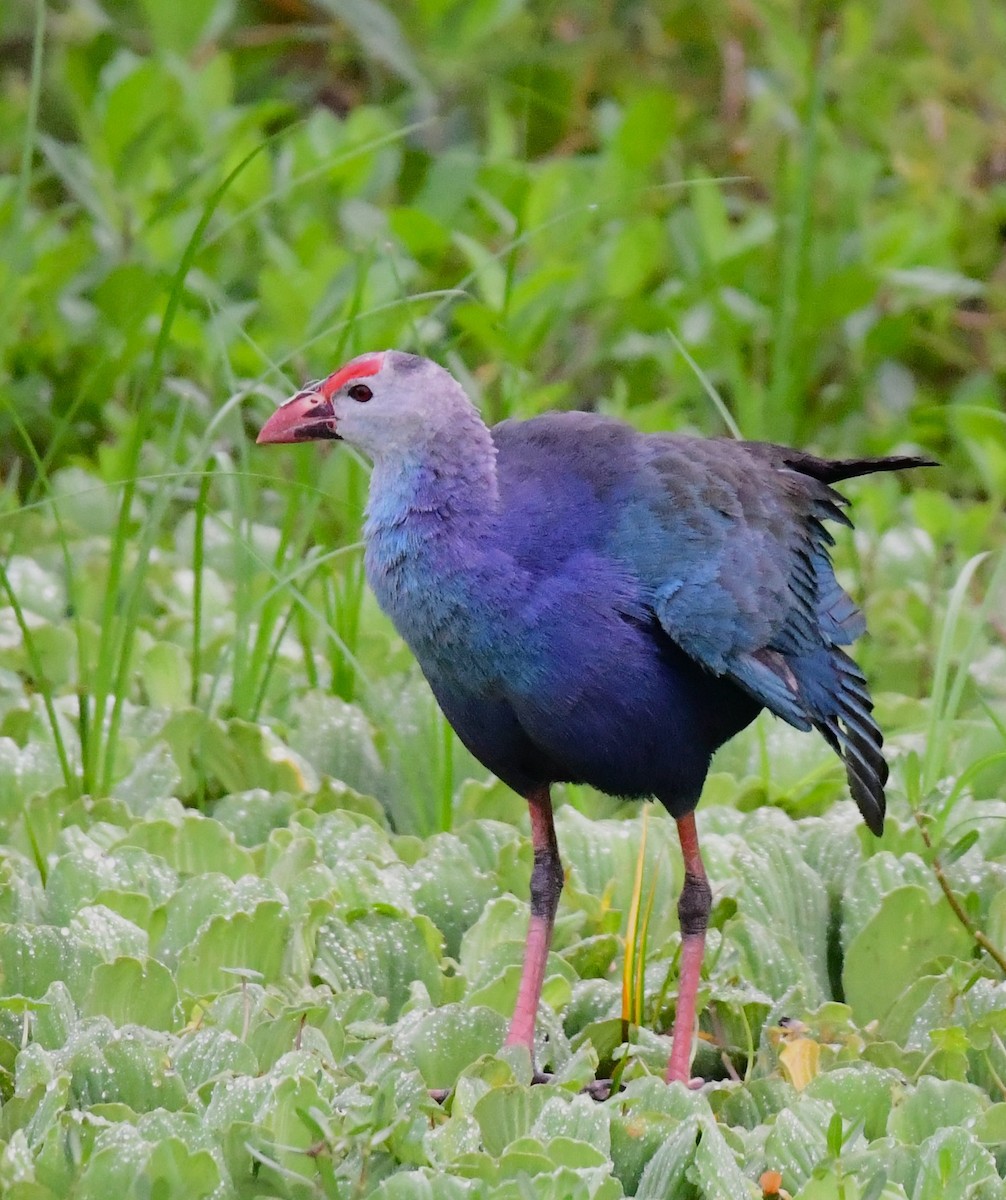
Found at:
[255, 900]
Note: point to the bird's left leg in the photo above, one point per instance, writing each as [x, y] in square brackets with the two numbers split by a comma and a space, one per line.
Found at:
[694, 904]
[546, 884]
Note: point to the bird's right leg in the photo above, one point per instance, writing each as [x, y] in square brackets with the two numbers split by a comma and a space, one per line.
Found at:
[693, 916]
[546, 884]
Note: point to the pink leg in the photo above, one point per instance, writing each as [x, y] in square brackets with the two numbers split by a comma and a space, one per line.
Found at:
[546, 884]
[693, 915]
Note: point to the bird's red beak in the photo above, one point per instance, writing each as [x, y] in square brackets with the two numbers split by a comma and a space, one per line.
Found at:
[305, 417]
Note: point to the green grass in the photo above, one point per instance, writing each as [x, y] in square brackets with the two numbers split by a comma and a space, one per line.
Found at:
[255, 899]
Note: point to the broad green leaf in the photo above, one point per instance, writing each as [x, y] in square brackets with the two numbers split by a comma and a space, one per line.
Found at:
[125, 1164]
[636, 256]
[507, 1113]
[487, 270]
[953, 1166]
[447, 1040]
[503, 920]
[798, 1140]
[34, 956]
[253, 942]
[251, 816]
[499, 983]
[295, 1096]
[933, 1105]
[447, 1142]
[179, 30]
[924, 1005]
[39, 591]
[524, 1157]
[21, 897]
[202, 899]
[131, 992]
[771, 962]
[666, 1174]
[166, 675]
[381, 953]
[129, 1066]
[786, 897]
[636, 1137]
[193, 846]
[907, 932]
[337, 739]
[990, 1127]
[423, 1185]
[601, 857]
[716, 1168]
[449, 889]
[579, 1119]
[80, 876]
[241, 755]
[860, 1093]
[207, 1053]
[875, 879]
[141, 96]
[592, 957]
[578, 1155]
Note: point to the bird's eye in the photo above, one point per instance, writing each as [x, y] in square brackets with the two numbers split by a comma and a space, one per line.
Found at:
[360, 392]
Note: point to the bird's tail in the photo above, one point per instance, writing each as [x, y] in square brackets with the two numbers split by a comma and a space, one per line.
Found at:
[821, 686]
[837, 700]
[833, 470]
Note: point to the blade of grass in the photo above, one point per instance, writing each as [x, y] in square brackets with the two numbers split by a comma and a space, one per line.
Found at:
[73, 783]
[979, 937]
[16, 241]
[257, 624]
[525, 236]
[31, 124]
[632, 932]
[198, 567]
[717, 400]
[319, 170]
[16, 249]
[946, 695]
[288, 581]
[126, 619]
[38, 674]
[118, 635]
[944, 707]
[443, 295]
[445, 815]
[343, 594]
[644, 930]
[268, 666]
[775, 415]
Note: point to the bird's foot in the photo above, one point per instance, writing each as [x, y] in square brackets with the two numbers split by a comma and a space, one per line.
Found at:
[692, 1082]
[597, 1089]
[440, 1094]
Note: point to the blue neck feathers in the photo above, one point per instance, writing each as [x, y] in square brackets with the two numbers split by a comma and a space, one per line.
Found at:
[429, 538]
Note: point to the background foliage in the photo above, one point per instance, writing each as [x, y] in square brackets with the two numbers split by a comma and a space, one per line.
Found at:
[254, 898]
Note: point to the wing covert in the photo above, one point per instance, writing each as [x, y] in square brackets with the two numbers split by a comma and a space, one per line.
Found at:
[731, 542]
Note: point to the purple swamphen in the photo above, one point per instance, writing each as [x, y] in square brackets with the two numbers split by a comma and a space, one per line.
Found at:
[592, 604]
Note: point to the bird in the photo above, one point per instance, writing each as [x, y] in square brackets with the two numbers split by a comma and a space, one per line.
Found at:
[592, 604]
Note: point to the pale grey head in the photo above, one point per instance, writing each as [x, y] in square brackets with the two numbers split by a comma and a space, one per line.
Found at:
[388, 404]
